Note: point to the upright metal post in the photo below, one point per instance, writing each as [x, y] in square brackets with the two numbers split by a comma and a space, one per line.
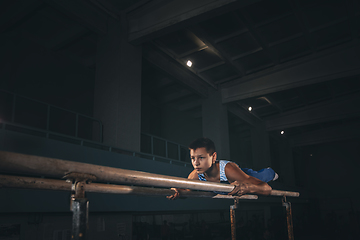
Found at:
[233, 219]
[289, 222]
[80, 209]
[79, 205]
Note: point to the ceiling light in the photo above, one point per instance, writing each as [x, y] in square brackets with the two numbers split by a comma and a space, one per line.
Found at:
[282, 132]
[189, 63]
[249, 108]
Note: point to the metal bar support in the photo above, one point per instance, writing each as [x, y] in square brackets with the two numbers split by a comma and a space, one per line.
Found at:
[80, 218]
[79, 205]
[233, 219]
[289, 222]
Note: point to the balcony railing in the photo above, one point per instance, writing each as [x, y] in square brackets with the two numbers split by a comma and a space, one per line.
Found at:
[162, 147]
[36, 114]
[29, 116]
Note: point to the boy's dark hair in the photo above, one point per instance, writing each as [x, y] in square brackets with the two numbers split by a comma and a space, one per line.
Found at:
[205, 142]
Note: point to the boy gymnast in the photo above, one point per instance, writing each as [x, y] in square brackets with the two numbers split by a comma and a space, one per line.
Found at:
[208, 168]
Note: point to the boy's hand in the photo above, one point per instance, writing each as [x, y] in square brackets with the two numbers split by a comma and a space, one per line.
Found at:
[240, 188]
[176, 195]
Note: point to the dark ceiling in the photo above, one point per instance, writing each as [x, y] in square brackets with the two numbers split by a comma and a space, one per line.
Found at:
[235, 50]
[260, 39]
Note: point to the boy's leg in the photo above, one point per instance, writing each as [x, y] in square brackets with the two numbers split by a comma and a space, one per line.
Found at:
[265, 174]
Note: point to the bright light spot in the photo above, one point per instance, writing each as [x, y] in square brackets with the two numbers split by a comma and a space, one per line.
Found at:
[310, 154]
[250, 108]
[282, 132]
[189, 63]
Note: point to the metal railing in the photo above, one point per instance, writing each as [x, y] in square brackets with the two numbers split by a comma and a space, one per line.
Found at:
[29, 112]
[26, 115]
[164, 148]
[5, 126]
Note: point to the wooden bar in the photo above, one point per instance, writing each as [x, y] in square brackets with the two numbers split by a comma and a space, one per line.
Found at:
[55, 168]
[284, 193]
[9, 181]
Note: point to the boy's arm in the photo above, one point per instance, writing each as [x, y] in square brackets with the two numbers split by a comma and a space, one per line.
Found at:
[193, 175]
[176, 195]
[244, 183]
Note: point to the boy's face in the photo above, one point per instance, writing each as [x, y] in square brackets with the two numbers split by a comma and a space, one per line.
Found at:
[201, 159]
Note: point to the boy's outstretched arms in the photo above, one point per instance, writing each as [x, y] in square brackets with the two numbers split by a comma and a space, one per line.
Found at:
[176, 195]
[244, 183]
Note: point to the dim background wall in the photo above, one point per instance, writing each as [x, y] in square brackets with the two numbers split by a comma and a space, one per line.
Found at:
[332, 172]
[33, 71]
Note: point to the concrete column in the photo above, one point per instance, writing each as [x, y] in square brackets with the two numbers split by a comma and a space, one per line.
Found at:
[215, 123]
[260, 147]
[118, 87]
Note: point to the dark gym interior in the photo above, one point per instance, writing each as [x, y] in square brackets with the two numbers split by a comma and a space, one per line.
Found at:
[130, 83]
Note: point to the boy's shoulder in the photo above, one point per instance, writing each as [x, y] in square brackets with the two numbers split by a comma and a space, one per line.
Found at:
[193, 175]
[231, 165]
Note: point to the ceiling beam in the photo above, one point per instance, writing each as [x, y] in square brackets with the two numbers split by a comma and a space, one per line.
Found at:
[159, 17]
[84, 13]
[246, 20]
[183, 63]
[173, 69]
[243, 114]
[305, 29]
[210, 42]
[339, 133]
[333, 65]
[335, 109]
